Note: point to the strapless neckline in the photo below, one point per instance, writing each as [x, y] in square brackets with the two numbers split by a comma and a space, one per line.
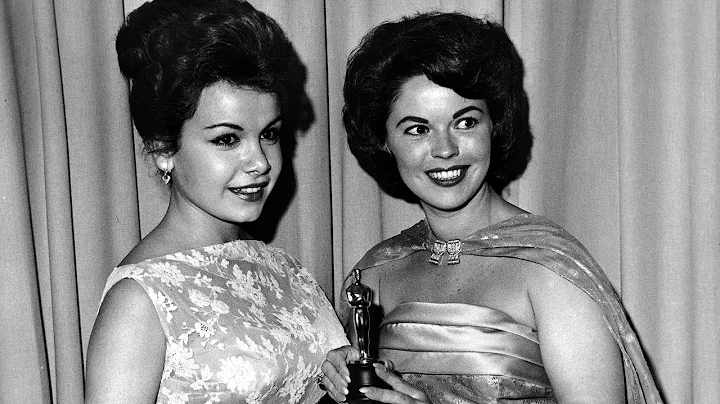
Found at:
[446, 338]
[458, 314]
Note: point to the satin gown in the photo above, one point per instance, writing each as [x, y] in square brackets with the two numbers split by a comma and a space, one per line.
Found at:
[244, 323]
[499, 359]
[462, 354]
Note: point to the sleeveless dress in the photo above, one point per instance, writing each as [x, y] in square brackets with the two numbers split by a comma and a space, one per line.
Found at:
[465, 354]
[244, 323]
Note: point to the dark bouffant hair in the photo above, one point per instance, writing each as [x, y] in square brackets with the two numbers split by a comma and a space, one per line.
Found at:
[170, 50]
[472, 56]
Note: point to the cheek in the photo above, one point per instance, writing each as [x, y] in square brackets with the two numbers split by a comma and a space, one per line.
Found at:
[409, 160]
[199, 171]
[484, 148]
[407, 157]
[410, 168]
[274, 156]
[405, 163]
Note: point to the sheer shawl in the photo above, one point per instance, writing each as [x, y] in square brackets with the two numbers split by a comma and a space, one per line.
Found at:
[537, 239]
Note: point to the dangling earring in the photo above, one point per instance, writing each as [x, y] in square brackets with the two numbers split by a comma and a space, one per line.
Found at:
[166, 177]
[387, 150]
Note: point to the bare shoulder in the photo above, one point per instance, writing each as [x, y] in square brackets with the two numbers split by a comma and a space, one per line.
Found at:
[127, 314]
[139, 253]
[545, 287]
[151, 246]
[579, 353]
[127, 347]
[127, 296]
[552, 295]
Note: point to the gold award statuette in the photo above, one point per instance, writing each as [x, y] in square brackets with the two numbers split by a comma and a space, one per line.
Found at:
[362, 372]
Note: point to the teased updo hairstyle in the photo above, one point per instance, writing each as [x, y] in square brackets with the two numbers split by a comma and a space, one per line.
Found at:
[170, 50]
[472, 56]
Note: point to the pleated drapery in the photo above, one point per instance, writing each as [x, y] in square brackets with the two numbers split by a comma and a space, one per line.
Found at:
[624, 110]
[626, 157]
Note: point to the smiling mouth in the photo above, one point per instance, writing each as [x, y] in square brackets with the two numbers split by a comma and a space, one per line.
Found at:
[251, 190]
[449, 176]
[250, 193]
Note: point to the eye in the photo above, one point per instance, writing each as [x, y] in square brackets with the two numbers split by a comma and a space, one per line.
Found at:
[466, 123]
[271, 135]
[226, 140]
[417, 130]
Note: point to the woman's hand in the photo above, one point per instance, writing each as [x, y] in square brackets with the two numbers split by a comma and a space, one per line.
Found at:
[336, 377]
[402, 392]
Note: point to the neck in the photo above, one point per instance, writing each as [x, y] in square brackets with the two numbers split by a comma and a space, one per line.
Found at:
[485, 209]
[191, 228]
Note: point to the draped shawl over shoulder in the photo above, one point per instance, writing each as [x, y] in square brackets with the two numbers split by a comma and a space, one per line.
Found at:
[536, 239]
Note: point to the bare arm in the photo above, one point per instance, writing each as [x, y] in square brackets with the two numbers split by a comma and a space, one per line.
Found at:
[126, 354]
[581, 357]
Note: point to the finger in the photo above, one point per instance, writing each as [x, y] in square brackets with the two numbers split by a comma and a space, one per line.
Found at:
[334, 379]
[398, 384]
[343, 354]
[392, 396]
[389, 365]
[386, 396]
[340, 357]
[333, 391]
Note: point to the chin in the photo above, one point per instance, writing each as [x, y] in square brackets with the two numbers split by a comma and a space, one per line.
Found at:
[450, 204]
[445, 206]
[246, 217]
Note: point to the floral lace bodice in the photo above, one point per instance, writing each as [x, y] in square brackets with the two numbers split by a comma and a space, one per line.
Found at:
[244, 323]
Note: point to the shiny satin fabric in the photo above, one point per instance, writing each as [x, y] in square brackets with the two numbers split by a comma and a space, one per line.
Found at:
[535, 239]
[498, 359]
[436, 338]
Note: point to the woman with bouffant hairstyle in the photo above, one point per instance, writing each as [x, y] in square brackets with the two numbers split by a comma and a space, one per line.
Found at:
[199, 311]
[483, 302]
[482, 65]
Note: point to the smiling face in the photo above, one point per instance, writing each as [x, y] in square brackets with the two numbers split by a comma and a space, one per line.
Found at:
[441, 144]
[229, 157]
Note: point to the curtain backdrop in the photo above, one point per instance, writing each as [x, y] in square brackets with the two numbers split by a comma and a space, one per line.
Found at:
[624, 109]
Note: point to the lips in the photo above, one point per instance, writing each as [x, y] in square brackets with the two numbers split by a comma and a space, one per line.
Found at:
[252, 192]
[447, 177]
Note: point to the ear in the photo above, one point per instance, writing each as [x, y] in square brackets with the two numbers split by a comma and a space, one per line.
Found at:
[164, 162]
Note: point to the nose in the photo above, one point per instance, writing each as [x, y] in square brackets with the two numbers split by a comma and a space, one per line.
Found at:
[444, 145]
[254, 160]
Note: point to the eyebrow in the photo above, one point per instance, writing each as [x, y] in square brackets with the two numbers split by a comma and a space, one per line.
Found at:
[274, 121]
[466, 109]
[225, 125]
[455, 115]
[413, 119]
[240, 128]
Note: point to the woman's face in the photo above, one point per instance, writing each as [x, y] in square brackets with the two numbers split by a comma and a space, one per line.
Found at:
[441, 143]
[229, 157]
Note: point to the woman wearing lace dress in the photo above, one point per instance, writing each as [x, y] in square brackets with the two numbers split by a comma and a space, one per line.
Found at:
[198, 311]
[483, 302]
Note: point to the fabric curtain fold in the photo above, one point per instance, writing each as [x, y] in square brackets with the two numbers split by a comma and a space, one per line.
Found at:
[61, 247]
[624, 110]
[22, 344]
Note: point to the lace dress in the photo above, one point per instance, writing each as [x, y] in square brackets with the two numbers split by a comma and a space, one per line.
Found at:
[244, 323]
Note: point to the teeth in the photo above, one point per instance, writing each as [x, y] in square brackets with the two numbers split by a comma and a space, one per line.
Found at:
[247, 190]
[445, 175]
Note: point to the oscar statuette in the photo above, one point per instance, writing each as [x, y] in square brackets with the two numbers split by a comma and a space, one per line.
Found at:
[362, 372]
